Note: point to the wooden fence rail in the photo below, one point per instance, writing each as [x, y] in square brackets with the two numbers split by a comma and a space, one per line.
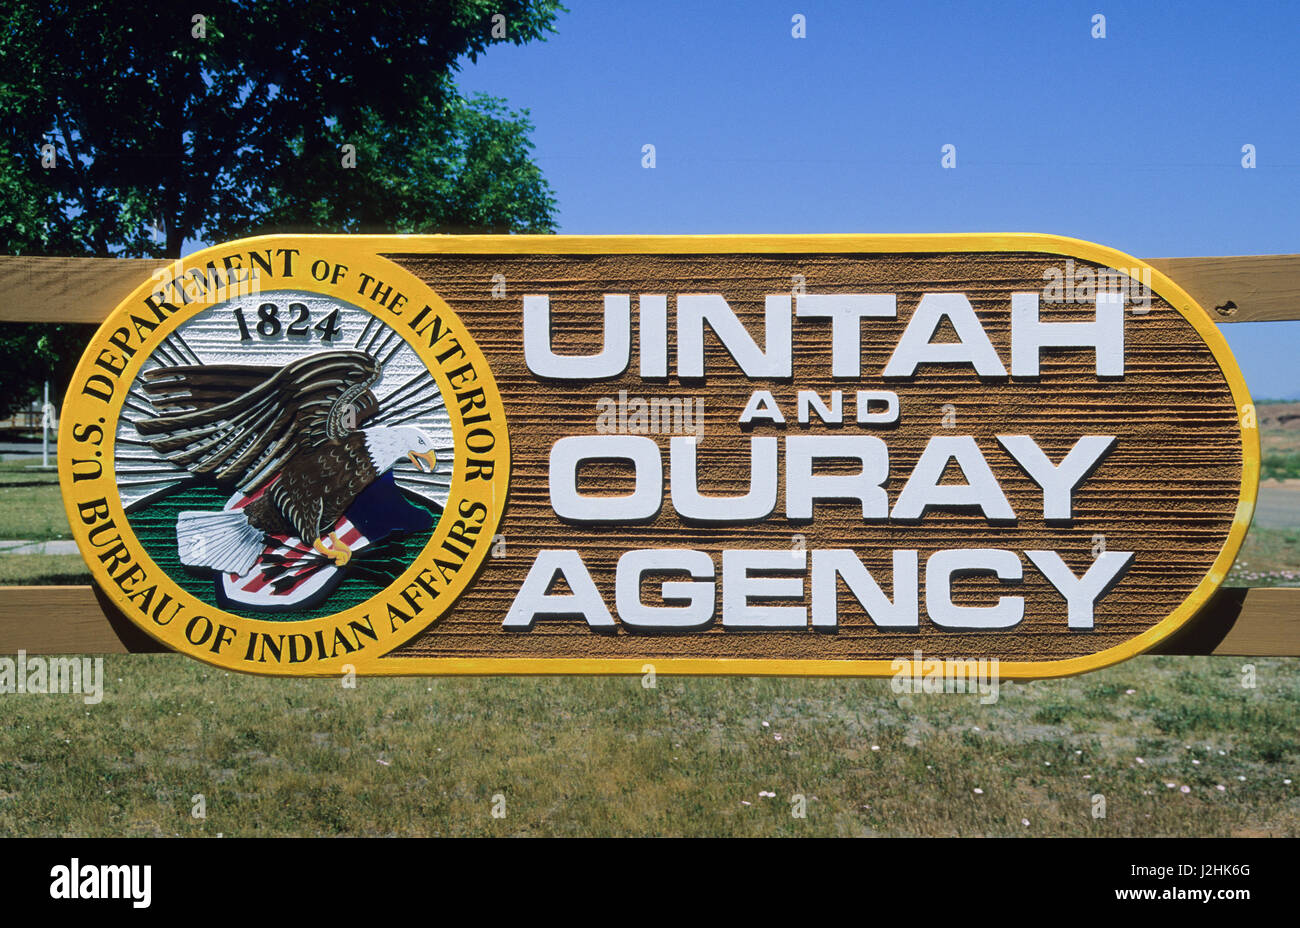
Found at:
[79, 619]
[1249, 288]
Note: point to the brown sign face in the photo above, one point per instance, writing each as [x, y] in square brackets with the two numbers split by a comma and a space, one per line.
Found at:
[804, 455]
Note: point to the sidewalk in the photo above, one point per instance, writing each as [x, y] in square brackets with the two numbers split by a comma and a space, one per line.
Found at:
[38, 547]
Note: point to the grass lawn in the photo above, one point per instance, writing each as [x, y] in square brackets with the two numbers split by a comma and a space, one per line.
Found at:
[43, 569]
[30, 505]
[1176, 746]
[1268, 557]
[606, 756]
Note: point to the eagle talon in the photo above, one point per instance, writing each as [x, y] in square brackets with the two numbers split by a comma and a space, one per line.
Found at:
[340, 554]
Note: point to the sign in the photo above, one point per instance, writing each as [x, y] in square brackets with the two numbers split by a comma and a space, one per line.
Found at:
[730, 454]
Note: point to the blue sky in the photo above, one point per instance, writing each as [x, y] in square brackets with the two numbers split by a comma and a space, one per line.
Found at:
[1133, 141]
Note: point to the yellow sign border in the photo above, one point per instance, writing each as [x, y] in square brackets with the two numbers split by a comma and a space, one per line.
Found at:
[924, 243]
[81, 411]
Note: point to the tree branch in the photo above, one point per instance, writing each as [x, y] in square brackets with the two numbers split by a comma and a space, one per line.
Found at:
[98, 242]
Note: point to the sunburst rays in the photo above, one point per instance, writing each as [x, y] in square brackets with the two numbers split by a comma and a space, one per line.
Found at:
[143, 475]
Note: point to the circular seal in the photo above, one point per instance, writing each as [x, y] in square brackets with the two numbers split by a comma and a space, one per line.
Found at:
[284, 455]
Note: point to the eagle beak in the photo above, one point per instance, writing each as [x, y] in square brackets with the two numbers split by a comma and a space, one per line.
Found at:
[424, 462]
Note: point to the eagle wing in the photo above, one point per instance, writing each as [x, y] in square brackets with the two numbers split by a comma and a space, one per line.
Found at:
[315, 490]
[240, 424]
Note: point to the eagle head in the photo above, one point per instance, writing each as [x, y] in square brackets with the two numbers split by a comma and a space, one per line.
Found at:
[389, 444]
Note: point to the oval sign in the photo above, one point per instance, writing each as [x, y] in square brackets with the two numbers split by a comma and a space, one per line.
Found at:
[827, 455]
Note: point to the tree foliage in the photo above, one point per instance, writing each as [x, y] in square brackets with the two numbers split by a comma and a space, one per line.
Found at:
[166, 129]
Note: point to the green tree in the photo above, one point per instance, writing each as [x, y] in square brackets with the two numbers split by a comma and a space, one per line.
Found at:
[131, 127]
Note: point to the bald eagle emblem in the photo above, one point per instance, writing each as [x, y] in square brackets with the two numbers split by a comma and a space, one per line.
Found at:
[294, 447]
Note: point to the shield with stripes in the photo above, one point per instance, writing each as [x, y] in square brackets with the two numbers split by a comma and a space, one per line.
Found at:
[291, 575]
